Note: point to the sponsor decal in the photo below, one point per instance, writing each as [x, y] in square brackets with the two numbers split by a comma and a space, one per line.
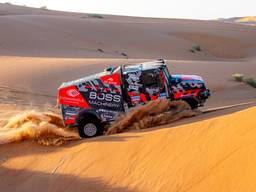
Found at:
[133, 87]
[133, 80]
[111, 79]
[135, 98]
[104, 104]
[103, 100]
[72, 92]
[69, 113]
[152, 90]
[105, 97]
[107, 115]
[71, 96]
[162, 95]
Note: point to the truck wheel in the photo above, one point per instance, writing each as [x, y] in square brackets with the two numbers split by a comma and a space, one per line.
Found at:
[90, 128]
[192, 103]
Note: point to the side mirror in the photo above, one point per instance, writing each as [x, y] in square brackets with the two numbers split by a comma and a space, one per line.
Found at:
[109, 69]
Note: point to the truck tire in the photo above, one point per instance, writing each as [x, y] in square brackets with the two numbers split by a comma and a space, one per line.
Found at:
[193, 103]
[90, 128]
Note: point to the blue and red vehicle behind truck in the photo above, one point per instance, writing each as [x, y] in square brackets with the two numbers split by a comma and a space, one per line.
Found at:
[92, 102]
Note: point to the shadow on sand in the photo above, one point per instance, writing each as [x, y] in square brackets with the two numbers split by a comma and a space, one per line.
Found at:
[25, 180]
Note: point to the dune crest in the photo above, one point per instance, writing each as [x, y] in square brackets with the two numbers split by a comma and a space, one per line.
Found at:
[45, 128]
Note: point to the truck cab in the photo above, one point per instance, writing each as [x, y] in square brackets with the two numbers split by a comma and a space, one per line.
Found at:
[92, 102]
[145, 82]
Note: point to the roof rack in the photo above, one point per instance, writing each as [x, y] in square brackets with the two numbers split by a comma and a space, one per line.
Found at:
[155, 62]
[144, 65]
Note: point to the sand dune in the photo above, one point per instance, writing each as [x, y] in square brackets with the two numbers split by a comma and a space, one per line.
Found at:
[219, 46]
[45, 33]
[247, 20]
[40, 48]
[212, 155]
[44, 76]
[11, 9]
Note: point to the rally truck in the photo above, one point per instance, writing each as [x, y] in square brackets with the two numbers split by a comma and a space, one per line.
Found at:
[92, 102]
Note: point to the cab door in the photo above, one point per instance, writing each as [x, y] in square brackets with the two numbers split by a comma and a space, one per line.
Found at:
[154, 84]
[133, 88]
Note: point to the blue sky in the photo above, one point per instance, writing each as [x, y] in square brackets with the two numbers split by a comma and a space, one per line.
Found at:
[192, 9]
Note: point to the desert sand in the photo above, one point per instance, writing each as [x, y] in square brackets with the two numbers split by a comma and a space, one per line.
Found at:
[45, 33]
[211, 155]
[39, 49]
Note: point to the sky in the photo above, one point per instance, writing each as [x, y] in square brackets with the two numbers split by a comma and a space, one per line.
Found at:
[188, 9]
